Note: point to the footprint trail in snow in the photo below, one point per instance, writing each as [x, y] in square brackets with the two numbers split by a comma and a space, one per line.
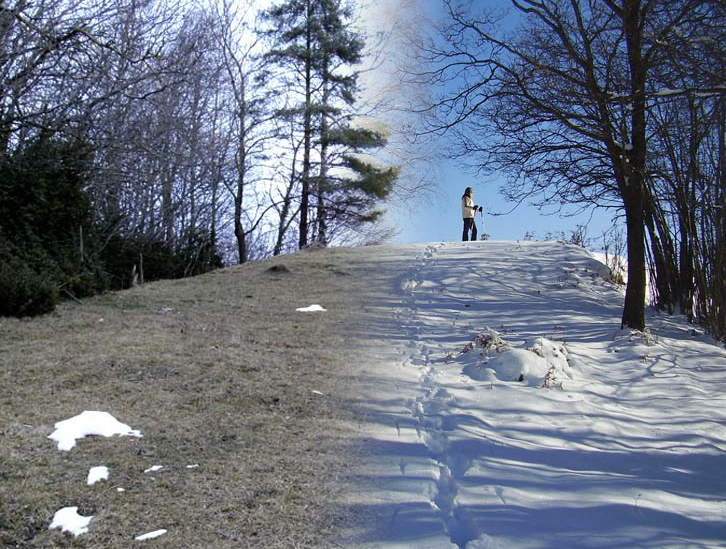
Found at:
[506, 409]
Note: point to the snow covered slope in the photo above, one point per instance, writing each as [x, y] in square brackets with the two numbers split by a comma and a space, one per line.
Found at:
[504, 407]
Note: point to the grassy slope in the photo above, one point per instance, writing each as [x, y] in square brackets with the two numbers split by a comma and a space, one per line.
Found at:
[217, 370]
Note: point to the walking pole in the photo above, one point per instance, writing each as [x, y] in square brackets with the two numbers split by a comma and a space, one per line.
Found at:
[484, 235]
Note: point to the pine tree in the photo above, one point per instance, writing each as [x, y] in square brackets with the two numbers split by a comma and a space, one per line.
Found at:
[355, 185]
[293, 25]
[316, 40]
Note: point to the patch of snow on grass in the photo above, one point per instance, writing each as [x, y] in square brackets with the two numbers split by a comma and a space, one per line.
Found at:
[97, 474]
[154, 468]
[311, 309]
[89, 423]
[68, 520]
[150, 535]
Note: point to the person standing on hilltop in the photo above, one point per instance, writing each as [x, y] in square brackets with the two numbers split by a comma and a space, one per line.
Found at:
[468, 211]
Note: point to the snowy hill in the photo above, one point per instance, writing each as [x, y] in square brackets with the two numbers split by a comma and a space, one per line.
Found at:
[504, 407]
[486, 389]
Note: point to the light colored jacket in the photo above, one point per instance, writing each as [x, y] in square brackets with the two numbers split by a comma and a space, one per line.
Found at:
[467, 207]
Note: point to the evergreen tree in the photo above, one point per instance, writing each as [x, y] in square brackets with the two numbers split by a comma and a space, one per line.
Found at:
[354, 185]
[46, 227]
[316, 40]
[294, 31]
[338, 46]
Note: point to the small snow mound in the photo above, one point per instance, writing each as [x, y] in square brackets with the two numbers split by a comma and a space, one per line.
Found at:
[555, 354]
[312, 309]
[68, 520]
[485, 542]
[634, 344]
[97, 474]
[150, 535]
[89, 423]
[488, 358]
[408, 285]
[479, 372]
[483, 344]
[154, 468]
[520, 365]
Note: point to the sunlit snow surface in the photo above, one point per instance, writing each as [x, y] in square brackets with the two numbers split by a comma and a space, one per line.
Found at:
[504, 407]
[97, 474]
[150, 535]
[154, 468]
[88, 423]
[311, 309]
[68, 520]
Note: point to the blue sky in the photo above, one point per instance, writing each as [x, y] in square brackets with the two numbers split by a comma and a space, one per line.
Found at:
[437, 217]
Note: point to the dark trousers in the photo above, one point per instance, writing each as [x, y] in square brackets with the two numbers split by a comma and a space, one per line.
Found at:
[469, 225]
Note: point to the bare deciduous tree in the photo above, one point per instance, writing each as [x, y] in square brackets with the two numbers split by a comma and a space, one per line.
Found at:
[560, 104]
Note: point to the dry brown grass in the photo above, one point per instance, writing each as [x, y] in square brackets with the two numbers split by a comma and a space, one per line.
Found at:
[218, 370]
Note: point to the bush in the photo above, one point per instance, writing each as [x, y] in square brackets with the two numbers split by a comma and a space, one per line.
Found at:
[44, 210]
[50, 246]
[24, 292]
[196, 255]
[121, 254]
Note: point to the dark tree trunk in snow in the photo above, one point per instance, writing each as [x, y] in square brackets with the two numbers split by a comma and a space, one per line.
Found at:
[633, 186]
[634, 307]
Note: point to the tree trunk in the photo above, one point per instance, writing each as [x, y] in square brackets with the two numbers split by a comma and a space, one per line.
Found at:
[239, 230]
[307, 129]
[634, 307]
[633, 187]
[286, 215]
[719, 274]
[323, 175]
[664, 270]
